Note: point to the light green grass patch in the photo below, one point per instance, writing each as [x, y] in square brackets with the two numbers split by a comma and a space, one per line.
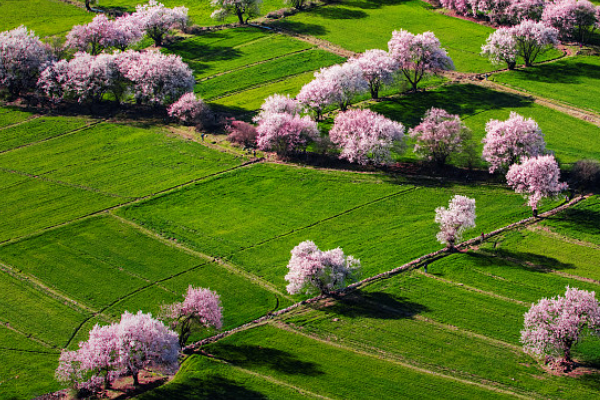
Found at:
[574, 80]
[19, 383]
[9, 116]
[578, 222]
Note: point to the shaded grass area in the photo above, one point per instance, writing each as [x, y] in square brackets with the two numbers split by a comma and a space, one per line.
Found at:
[201, 378]
[124, 160]
[381, 323]
[30, 204]
[575, 80]
[579, 222]
[273, 70]
[334, 372]
[569, 138]
[38, 129]
[45, 17]
[10, 116]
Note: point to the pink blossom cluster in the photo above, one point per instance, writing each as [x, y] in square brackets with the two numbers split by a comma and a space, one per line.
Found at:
[313, 269]
[439, 135]
[103, 33]
[156, 20]
[150, 76]
[241, 132]
[536, 177]
[455, 220]
[418, 55]
[501, 47]
[507, 141]
[201, 307]
[125, 348]
[22, 56]
[378, 69]
[553, 326]
[365, 136]
[188, 109]
[574, 19]
[278, 103]
[284, 132]
[317, 95]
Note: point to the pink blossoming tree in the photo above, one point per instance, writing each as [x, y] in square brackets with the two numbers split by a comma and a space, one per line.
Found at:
[344, 80]
[243, 133]
[22, 56]
[553, 326]
[278, 103]
[366, 137]
[284, 132]
[418, 55]
[507, 141]
[200, 309]
[378, 69]
[455, 220]
[188, 109]
[93, 37]
[312, 269]
[501, 47]
[439, 135]
[157, 20]
[574, 19]
[536, 177]
[317, 95]
[533, 39]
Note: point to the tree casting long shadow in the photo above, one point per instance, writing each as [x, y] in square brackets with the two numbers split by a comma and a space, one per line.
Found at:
[502, 257]
[567, 71]
[377, 305]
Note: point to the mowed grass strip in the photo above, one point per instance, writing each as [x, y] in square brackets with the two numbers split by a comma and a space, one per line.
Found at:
[273, 70]
[202, 378]
[579, 222]
[571, 139]
[574, 80]
[119, 159]
[244, 207]
[39, 129]
[382, 324]
[221, 51]
[45, 17]
[30, 204]
[334, 372]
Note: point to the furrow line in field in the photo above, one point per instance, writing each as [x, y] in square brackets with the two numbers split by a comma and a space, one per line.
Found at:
[226, 265]
[548, 232]
[386, 356]
[62, 183]
[88, 126]
[19, 123]
[120, 205]
[36, 284]
[472, 289]
[345, 212]
[28, 351]
[269, 379]
[206, 78]
[7, 325]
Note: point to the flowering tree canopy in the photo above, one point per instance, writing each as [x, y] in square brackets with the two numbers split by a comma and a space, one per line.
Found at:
[317, 94]
[377, 67]
[346, 82]
[365, 136]
[455, 220]
[22, 55]
[312, 269]
[501, 46]
[278, 103]
[439, 135]
[533, 38]
[156, 19]
[188, 109]
[201, 308]
[553, 326]
[574, 19]
[507, 141]
[536, 177]
[137, 342]
[284, 132]
[241, 132]
[418, 55]
[240, 8]
[93, 37]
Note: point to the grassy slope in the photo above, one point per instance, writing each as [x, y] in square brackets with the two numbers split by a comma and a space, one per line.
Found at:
[579, 222]
[44, 17]
[574, 80]
[571, 139]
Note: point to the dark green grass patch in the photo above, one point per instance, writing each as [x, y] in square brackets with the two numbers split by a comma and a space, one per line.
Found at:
[574, 80]
[380, 323]
[30, 204]
[38, 129]
[126, 160]
[331, 371]
[571, 139]
[45, 17]
[579, 222]
[273, 70]
[201, 378]
[20, 383]
[34, 313]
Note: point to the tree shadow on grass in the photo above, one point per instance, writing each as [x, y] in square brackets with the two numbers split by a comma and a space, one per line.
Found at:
[205, 387]
[505, 257]
[372, 4]
[377, 305]
[200, 52]
[465, 100]
[569, 71]
[301, 27]
[250, 356]
[579, 219]
[339, 13]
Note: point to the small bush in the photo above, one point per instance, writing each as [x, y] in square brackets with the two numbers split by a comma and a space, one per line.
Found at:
[585, 176]
[242, 133]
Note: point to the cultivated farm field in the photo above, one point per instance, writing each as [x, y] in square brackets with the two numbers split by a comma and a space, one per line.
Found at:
[121, 208]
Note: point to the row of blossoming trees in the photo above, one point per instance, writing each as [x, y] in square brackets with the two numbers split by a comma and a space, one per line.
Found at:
[102, 64]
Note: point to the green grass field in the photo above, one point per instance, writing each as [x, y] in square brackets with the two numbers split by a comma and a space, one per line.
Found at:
[44, 17]
[574, 80]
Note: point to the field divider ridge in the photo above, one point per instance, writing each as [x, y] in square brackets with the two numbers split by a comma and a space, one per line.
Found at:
[549, 233]
[380, 354]
[33, 117]
[29, 336]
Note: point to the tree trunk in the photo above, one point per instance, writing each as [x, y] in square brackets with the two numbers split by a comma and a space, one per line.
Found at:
[511, 65]
[136, 379]
[535, 212]
[240, 16]
[87, 5]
